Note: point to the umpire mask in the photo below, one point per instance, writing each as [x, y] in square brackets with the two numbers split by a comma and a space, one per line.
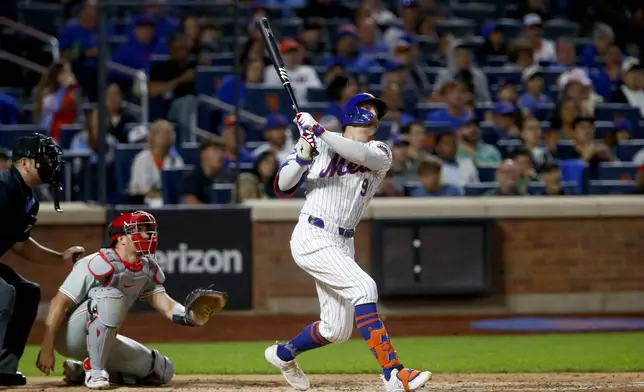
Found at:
[48, 158]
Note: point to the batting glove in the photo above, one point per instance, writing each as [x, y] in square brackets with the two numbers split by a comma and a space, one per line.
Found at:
[305, 121]
[305, 149]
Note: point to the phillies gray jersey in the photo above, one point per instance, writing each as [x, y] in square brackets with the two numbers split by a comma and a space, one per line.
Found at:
[338, 190]
[105, 268]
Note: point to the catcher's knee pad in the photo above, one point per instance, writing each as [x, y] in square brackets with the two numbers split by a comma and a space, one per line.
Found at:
[366, 292]
[162, 369]
[109, 305]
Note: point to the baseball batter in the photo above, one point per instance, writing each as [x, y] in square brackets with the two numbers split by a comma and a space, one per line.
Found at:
[92, 303]
[340, 181]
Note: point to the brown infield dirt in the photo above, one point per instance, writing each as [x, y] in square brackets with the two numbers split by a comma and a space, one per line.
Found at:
[608, 382]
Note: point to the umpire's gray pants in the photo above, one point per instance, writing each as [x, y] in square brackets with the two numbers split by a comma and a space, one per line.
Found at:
[126, 355]
[19, 300]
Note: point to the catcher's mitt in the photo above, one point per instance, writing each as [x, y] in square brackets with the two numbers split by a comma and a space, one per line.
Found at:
[202, 303]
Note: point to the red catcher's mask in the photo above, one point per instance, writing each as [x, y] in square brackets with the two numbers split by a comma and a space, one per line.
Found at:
[140, 227]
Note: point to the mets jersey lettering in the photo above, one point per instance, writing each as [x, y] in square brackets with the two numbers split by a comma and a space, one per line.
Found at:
[338, 190]
[340, 166]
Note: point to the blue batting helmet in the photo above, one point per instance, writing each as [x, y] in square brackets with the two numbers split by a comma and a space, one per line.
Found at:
[353, 114]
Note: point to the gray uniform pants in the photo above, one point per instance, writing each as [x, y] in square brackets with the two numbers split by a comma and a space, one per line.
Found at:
[19, 299]
[126, 355]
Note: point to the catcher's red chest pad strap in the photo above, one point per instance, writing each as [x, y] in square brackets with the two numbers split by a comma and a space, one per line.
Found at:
[103, 264]
[100, 266]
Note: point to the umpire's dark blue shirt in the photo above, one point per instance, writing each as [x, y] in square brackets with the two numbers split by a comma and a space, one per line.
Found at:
[18, 208]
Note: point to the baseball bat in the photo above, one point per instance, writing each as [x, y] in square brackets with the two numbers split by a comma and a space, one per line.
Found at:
[276, 58]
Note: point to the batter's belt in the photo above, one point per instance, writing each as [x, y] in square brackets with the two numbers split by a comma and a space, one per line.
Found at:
[330, 227]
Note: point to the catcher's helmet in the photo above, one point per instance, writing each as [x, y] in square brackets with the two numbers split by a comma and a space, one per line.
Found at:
[140, 227]
[48, 157]
[353, 114]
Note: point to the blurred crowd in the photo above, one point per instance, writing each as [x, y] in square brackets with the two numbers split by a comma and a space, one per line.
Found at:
[475, 126]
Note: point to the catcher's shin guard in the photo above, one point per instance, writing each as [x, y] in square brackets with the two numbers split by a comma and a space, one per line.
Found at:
[107, 309]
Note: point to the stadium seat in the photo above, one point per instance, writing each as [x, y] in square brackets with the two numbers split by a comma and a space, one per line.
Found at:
[208, 78]
[190, 153]
[436, 127]
[565, 148]
[172, 183]
[539, 189]
[617, 171]
[123, 157]
[507, 146]
[409, 187]
[477, 12]
[557, 28]
[264, 101]
[511, 27]
[316, 95]
[479, 189]
[495, 61]
[431, 73]
[487, 173]
[627, 149]
[612, 111]
[602, 187]
[499, 76]
[9, 134]
[67, 133]
[222, 193]
[457, 27]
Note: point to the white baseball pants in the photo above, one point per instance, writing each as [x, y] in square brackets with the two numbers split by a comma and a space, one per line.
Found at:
[341, 283]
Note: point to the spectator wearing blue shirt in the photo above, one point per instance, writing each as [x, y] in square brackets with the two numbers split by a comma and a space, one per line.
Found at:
[607, 77]
[504, 124]
[339, 91]
[79, 44]
[166, 26]
[603, 37]
[136, 52]
[455, 96]
[348, 51]
[429, 174]
[533, 86]
[9, 110]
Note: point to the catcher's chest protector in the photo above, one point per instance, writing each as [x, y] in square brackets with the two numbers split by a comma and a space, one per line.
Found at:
[132, 282]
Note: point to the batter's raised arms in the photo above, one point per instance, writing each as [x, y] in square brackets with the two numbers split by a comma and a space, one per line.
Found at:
[340, 181]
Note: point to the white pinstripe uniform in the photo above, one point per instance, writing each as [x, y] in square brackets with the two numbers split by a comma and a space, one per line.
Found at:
[337, 192]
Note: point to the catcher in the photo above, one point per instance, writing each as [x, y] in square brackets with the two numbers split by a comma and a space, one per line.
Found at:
[91, 305]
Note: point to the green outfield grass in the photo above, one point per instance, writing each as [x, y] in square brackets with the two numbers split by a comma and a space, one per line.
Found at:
[619, 352]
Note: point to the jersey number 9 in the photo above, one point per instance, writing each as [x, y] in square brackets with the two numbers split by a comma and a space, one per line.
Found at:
[365, 185]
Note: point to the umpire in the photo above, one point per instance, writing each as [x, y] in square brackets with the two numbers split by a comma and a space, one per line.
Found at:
[37, 160]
